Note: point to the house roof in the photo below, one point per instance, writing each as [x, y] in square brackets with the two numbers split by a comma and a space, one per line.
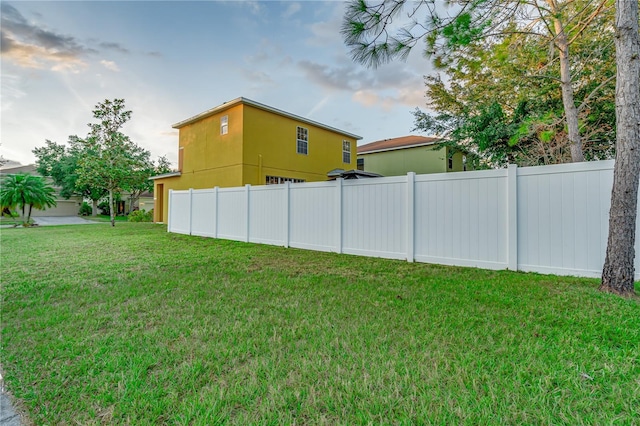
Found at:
[264, 107]
[165, 175]
[13, 169]
[403, 142]
[351, 174]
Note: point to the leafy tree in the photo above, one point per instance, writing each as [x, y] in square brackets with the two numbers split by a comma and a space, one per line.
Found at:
[140, 181]
[24, 190]
[371, 30]
[110, 160]
[60, 163]
[618, 271]
[489, 85]
[163, 165]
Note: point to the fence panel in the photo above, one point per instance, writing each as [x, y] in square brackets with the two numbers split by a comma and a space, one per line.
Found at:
[203, 210]
[461, 219]
[374, 217]
[179, 212]
[563, 221]
[268, 214]
[313, 216]
[232, 213]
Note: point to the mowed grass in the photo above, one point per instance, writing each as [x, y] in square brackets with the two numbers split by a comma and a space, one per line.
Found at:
[132, 325]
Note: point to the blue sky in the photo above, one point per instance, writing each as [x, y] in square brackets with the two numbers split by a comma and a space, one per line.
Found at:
[172, 60]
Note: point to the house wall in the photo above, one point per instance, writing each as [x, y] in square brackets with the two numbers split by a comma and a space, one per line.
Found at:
[63, 207]
[420, 160]
[270, 149]
[207, 154]
[146, 203]
[259, 144]
[208, 158]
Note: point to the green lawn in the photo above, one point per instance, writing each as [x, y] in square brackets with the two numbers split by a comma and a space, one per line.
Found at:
[106, 218]
[132, 325]
[4, 220]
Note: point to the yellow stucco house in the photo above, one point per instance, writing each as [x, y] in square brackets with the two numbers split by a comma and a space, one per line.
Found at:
[418, 154]
[245, 142]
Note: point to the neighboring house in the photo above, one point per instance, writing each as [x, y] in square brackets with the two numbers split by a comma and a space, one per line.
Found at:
[398, 156]
[146, 202]
[63, 207]
[245, 142]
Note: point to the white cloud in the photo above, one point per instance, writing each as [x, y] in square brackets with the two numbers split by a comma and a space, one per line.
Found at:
[110, 65]
[11, 90]
[293, 8]
[403, 96]
[327, 33]
[254, 6]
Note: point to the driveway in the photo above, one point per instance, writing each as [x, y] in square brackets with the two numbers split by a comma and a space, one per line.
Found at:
[61, 220]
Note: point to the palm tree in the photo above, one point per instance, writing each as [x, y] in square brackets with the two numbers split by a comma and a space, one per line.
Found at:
[22, 190]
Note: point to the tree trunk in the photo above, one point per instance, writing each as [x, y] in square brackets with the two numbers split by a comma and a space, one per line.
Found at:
[618, 271]
[22, 217]
[132, 201]
[570, 110]
[94, 207]
[29, 216]
[111, 212]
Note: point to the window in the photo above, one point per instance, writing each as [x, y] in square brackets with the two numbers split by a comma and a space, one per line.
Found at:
[276, 180]
[224, 124]
[360, 164]
[346, 152]
[302, 142]
[451, 162]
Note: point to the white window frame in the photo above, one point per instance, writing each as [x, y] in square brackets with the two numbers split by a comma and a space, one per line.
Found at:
[302, 140]
[224, 124]
[346, 154]
[278, 180]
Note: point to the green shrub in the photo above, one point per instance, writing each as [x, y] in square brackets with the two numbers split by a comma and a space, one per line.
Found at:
[141, 216]
[85, 209]
[104, 207]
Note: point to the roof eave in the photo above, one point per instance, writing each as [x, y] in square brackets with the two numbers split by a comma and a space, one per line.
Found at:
[255, 104]
[166, 175]
[400, 147]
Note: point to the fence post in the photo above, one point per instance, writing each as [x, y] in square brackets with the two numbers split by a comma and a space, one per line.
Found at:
[512, 214]
[411, 196]
[215, 212]
[168, 211]
[247, 190]
[339, 214]
[287, 215]
[190, 210]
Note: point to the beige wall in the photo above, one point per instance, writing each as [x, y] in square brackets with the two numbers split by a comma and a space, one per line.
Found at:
[69, 207]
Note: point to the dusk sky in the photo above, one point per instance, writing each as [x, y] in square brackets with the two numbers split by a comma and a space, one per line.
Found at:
[172, 60]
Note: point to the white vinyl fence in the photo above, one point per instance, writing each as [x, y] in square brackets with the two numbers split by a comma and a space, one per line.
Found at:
[549, 219]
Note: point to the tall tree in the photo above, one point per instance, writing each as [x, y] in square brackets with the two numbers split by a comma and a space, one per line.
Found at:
[486, 100]
[24, 190]
[371, 30]
[140, 179]
[110, 159]
[60, 163]
[618, 271]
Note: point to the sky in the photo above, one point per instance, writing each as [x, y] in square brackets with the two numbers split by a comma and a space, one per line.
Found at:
[172, 60]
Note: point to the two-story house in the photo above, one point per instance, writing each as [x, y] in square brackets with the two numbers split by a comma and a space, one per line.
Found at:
[418, 154]
[245, 142]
